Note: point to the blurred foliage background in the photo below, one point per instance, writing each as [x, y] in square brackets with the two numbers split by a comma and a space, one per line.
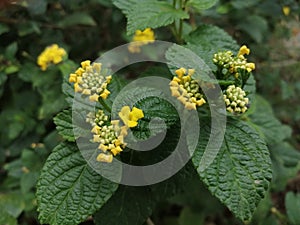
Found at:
[30, 97]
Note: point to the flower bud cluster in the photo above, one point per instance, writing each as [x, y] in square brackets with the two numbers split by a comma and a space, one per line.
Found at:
[232, 64]
[90, 80]
[186, 89]
[235, 100]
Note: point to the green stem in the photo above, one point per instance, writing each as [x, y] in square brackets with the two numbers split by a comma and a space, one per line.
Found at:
[103, 103]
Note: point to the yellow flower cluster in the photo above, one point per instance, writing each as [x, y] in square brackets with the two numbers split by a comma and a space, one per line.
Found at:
[141, 38]
[90, 80]
[233, 64]
[110, 134]
[186, 89]
[235, 100]
[52, 54]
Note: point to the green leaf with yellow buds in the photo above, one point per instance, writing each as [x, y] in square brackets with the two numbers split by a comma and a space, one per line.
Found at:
[149, 13]
[240, 174]
[69, 191]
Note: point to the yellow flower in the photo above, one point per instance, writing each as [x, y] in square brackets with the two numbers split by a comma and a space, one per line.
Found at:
[186, 89]
[235, 100]
[141, 38]
[108, 134]
[90, 80]
[244, 51]
[286, 10]
[130, 118]
[52, 54]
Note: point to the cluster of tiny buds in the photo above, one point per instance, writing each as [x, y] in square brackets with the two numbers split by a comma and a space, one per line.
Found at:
[186, 89]
[91, 80]
[232, 64]
[235, 100]
[108, 134]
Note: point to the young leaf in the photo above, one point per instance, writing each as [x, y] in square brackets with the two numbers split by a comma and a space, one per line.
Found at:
[149, 13]
[68, 190]
[79, 18]
[241, 172]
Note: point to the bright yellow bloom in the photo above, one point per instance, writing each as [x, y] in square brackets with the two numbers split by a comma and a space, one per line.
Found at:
[141, 38]
[52, 54]
[102, 157]
[186, 89]
[90, 80]
[286, 10]
[130, 118]
[244, 51]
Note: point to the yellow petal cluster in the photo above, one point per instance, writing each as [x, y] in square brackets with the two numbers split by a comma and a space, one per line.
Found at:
[90, 80]
[226, 60]
[141, 38]
[52, 54]
[186, 89]
[130, 117]
[108, 134]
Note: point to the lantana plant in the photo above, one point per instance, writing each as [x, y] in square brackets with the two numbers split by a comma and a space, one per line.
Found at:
[71, 189]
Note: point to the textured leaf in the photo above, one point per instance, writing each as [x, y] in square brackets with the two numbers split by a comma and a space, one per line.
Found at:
[267, 124]
[241, 172]
[149, 13]
[68, 190]
[133, 205]
[64, 125]
[208, 40]
[201, 4]
[292, 204]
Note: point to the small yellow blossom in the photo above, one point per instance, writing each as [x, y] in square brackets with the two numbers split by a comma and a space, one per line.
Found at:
[130, 118]
[186, 89]
[141, 38]
[286, 10]
[90, 80]
[52, 54]
[244, 51]
[102, 157]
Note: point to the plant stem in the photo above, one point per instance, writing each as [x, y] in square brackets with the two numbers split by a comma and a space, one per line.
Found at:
[103, 103]
[149, 222]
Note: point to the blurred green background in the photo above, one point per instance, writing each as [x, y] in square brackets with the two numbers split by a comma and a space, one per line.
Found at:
[30, 97]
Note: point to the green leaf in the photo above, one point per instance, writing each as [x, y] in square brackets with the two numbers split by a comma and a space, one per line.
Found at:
[292, 204]
[3, 29]
[207, 40]
[240, 174]
[37, 7]
[69, 127]
[78, 18]
[239, 4]
[11, 50]
[201, 4]
[68, 190]
[285, 162]
[133, 205]
[12, 204]
[149, 13]
[255, 26]
[267, 124]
